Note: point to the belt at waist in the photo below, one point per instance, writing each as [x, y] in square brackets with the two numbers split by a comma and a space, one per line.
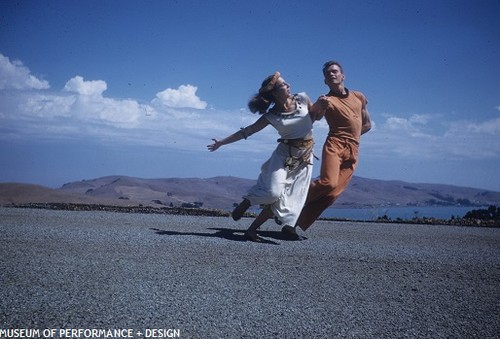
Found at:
[299, 143]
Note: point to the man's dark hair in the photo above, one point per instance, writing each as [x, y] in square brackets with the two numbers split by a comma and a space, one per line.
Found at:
[332, 62]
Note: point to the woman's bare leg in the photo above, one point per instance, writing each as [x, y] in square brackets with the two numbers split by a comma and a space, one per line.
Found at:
[251, 232]
[240, 209]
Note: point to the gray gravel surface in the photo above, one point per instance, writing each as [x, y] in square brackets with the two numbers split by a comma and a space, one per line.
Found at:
[103, 270]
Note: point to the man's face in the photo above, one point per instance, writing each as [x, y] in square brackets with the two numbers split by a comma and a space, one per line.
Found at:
[333, 76]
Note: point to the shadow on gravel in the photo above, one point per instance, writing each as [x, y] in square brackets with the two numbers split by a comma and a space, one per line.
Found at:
[229, 234]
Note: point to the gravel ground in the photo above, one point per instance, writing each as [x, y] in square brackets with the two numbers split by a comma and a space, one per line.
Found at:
[103, 270]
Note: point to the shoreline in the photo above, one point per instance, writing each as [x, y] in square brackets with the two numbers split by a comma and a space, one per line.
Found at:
[221, 213]
[122, 209]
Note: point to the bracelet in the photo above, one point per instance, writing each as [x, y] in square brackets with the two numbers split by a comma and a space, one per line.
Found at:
[245, 136]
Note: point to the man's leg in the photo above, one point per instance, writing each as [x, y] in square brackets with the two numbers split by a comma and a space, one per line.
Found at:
[319, 197]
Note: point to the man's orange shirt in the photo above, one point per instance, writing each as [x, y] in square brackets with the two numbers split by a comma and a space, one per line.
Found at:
[343, 115]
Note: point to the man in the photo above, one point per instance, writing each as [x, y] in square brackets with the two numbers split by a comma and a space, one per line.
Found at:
[346, 114]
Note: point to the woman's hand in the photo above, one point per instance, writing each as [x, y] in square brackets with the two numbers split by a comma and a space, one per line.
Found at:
[322, 102]
[317, 111]
[214, 146]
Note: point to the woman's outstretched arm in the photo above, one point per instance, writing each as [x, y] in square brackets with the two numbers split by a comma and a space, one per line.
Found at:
[241, 134]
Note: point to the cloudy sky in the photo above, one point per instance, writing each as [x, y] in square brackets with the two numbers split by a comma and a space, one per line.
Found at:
[139, 88]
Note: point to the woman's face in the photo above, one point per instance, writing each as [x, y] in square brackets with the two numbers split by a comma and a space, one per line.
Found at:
[281, 88]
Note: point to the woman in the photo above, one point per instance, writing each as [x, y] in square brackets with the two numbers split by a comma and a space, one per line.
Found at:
[284, 180]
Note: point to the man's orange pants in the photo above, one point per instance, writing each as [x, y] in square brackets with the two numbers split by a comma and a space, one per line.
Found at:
[339, 160]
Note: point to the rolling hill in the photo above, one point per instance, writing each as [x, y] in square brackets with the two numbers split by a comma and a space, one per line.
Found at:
[224, 192]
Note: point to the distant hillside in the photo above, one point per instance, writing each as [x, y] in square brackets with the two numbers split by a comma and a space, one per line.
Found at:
[218, 192]
[372, 192]
[224, 192]
[17, 193]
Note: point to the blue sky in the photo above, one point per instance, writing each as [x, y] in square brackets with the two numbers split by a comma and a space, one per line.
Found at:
[139, 88]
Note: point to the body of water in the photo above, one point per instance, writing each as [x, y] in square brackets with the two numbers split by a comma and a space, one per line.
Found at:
[398, 212]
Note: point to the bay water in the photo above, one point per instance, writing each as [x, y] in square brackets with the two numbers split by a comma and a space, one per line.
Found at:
[405, 213]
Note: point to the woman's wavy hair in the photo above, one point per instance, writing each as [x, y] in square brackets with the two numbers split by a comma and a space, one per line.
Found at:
[261, 101]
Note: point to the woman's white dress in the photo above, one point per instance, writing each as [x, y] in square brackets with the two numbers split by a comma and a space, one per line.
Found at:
[284, 188]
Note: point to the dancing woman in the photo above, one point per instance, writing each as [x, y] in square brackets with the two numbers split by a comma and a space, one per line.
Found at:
[283, 183]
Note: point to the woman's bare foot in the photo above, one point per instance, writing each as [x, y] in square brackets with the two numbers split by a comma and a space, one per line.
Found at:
[252, 236]
[240, 209]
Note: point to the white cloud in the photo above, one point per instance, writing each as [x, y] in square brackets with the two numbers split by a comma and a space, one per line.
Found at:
[81, 110]
[411, 124]
[397, 124]
[175, 118]
[431, 137]
[82, 87]
[14, 75]
[80, 101]
[490, 127]
[184, 96]
[124, 113]
[469, 128]
[45, 105]
[179, 119]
